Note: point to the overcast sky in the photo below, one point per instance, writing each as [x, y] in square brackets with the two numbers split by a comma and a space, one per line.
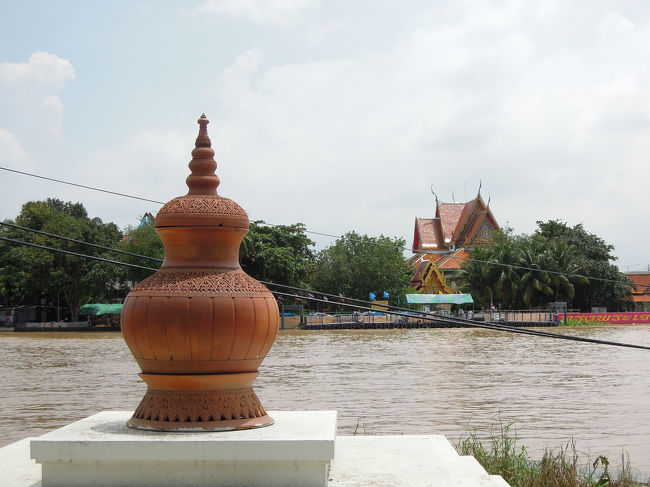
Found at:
[338, 114]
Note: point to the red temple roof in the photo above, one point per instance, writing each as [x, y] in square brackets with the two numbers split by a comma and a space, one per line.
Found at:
[455, 225]
[642, 280]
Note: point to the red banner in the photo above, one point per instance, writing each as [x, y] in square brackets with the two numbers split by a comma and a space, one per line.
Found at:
[608, 318]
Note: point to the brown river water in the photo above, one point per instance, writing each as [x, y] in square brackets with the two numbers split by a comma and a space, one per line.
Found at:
[380, 382]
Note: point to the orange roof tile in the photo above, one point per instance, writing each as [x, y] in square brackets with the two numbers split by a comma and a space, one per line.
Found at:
[428, 231]
[642, 280]
[454, 260]
[450, 214]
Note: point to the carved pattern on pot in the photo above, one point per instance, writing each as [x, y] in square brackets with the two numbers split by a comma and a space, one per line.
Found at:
[200, 204]
[200, 283]
[199, 406]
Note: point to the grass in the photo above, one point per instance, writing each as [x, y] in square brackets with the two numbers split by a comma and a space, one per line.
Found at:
[557, 468]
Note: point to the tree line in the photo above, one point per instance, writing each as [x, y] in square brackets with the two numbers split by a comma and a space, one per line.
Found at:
[556, 263]
[280, 254]
[353, 266]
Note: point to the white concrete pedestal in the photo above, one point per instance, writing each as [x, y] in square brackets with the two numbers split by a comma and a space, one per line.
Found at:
[101, 451]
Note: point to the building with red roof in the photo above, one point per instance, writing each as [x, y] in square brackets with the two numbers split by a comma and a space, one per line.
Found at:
[641, 290]
[441, 243]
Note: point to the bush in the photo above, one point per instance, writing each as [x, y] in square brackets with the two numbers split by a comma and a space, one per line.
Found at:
[556, 468]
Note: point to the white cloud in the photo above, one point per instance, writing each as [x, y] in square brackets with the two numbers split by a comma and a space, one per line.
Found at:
[12, 152]
[53, 113]
[44, 69]
[152, 165]
[29, 96]
[258, 11]
[614, 24]
[356, 142]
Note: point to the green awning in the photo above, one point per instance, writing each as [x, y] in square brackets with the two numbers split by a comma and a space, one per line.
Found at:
[113, 309]
[96, 309]
[439, 298]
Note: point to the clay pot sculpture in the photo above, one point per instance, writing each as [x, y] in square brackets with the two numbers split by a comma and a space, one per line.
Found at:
[200, 327]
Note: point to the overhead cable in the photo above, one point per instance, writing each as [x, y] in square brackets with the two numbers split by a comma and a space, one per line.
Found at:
[425, 315]
[401, 248]
[75, 254]
[52, 235]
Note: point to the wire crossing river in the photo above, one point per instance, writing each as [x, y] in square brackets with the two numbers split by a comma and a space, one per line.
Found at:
[380, 381]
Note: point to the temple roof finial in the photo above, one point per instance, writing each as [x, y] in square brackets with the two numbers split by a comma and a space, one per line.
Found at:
[434, 194]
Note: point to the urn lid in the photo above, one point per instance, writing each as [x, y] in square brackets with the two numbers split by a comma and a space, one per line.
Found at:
[202, 206]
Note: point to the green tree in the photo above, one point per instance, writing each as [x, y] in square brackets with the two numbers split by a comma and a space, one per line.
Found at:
[534, 284]
[593, 258]
[477, 276]
[356, 265]
[564, 260]
[531, 270]
[33, 276]
[142, 240]
[277, 253]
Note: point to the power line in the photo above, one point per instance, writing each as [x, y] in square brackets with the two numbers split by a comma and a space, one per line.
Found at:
[52, 235]
[425, 315]
[400, 248]
[75, 254]
[81, 185]
[488, 326]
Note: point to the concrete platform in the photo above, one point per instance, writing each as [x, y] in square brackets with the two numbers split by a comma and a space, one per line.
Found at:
[392, 461]
[377, 461]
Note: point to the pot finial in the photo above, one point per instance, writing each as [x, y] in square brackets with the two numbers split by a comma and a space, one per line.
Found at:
[203, 180]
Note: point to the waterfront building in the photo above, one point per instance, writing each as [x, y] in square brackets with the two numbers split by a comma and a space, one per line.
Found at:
[441, 243]
[641, 290]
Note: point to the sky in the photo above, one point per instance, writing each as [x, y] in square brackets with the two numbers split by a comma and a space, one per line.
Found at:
[342, 115]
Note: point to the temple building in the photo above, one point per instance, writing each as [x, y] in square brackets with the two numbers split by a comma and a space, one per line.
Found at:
[640, 290]
[441, 243]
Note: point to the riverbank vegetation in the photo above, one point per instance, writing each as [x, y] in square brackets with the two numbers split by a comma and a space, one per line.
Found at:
[510, 272]
[581, 268]
[564, 467]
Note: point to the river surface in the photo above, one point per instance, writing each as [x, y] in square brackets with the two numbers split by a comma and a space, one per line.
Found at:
[380, 382]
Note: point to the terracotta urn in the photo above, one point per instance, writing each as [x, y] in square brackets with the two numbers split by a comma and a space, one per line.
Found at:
[200, 327]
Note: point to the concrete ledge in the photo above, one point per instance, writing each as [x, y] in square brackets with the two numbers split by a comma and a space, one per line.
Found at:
[373, 461]
[394, 461]
[16, 468]
[101, 451]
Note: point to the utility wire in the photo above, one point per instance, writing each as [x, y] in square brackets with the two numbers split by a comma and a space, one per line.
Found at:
[488, 326]
[336, 299]
[81, 185]
[110, 249]
[68, 252]
[425, 315]
[401, 248]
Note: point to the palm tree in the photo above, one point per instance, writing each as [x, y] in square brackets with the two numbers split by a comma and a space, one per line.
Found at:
[505, 258]
[563, 259]
[476, 276]
[534, 283]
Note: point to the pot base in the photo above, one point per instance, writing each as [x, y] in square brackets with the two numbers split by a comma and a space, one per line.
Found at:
[213, 404]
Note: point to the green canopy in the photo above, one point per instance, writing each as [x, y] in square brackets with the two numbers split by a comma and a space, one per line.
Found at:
[439, 298]
[97, 309]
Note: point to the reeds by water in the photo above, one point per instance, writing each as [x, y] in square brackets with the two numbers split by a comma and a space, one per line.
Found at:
[557, 468]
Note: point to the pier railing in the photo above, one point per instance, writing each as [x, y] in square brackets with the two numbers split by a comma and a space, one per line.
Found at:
[323, 318]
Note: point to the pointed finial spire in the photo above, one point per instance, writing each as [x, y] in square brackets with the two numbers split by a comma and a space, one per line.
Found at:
[203, 180]
[434, 194]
